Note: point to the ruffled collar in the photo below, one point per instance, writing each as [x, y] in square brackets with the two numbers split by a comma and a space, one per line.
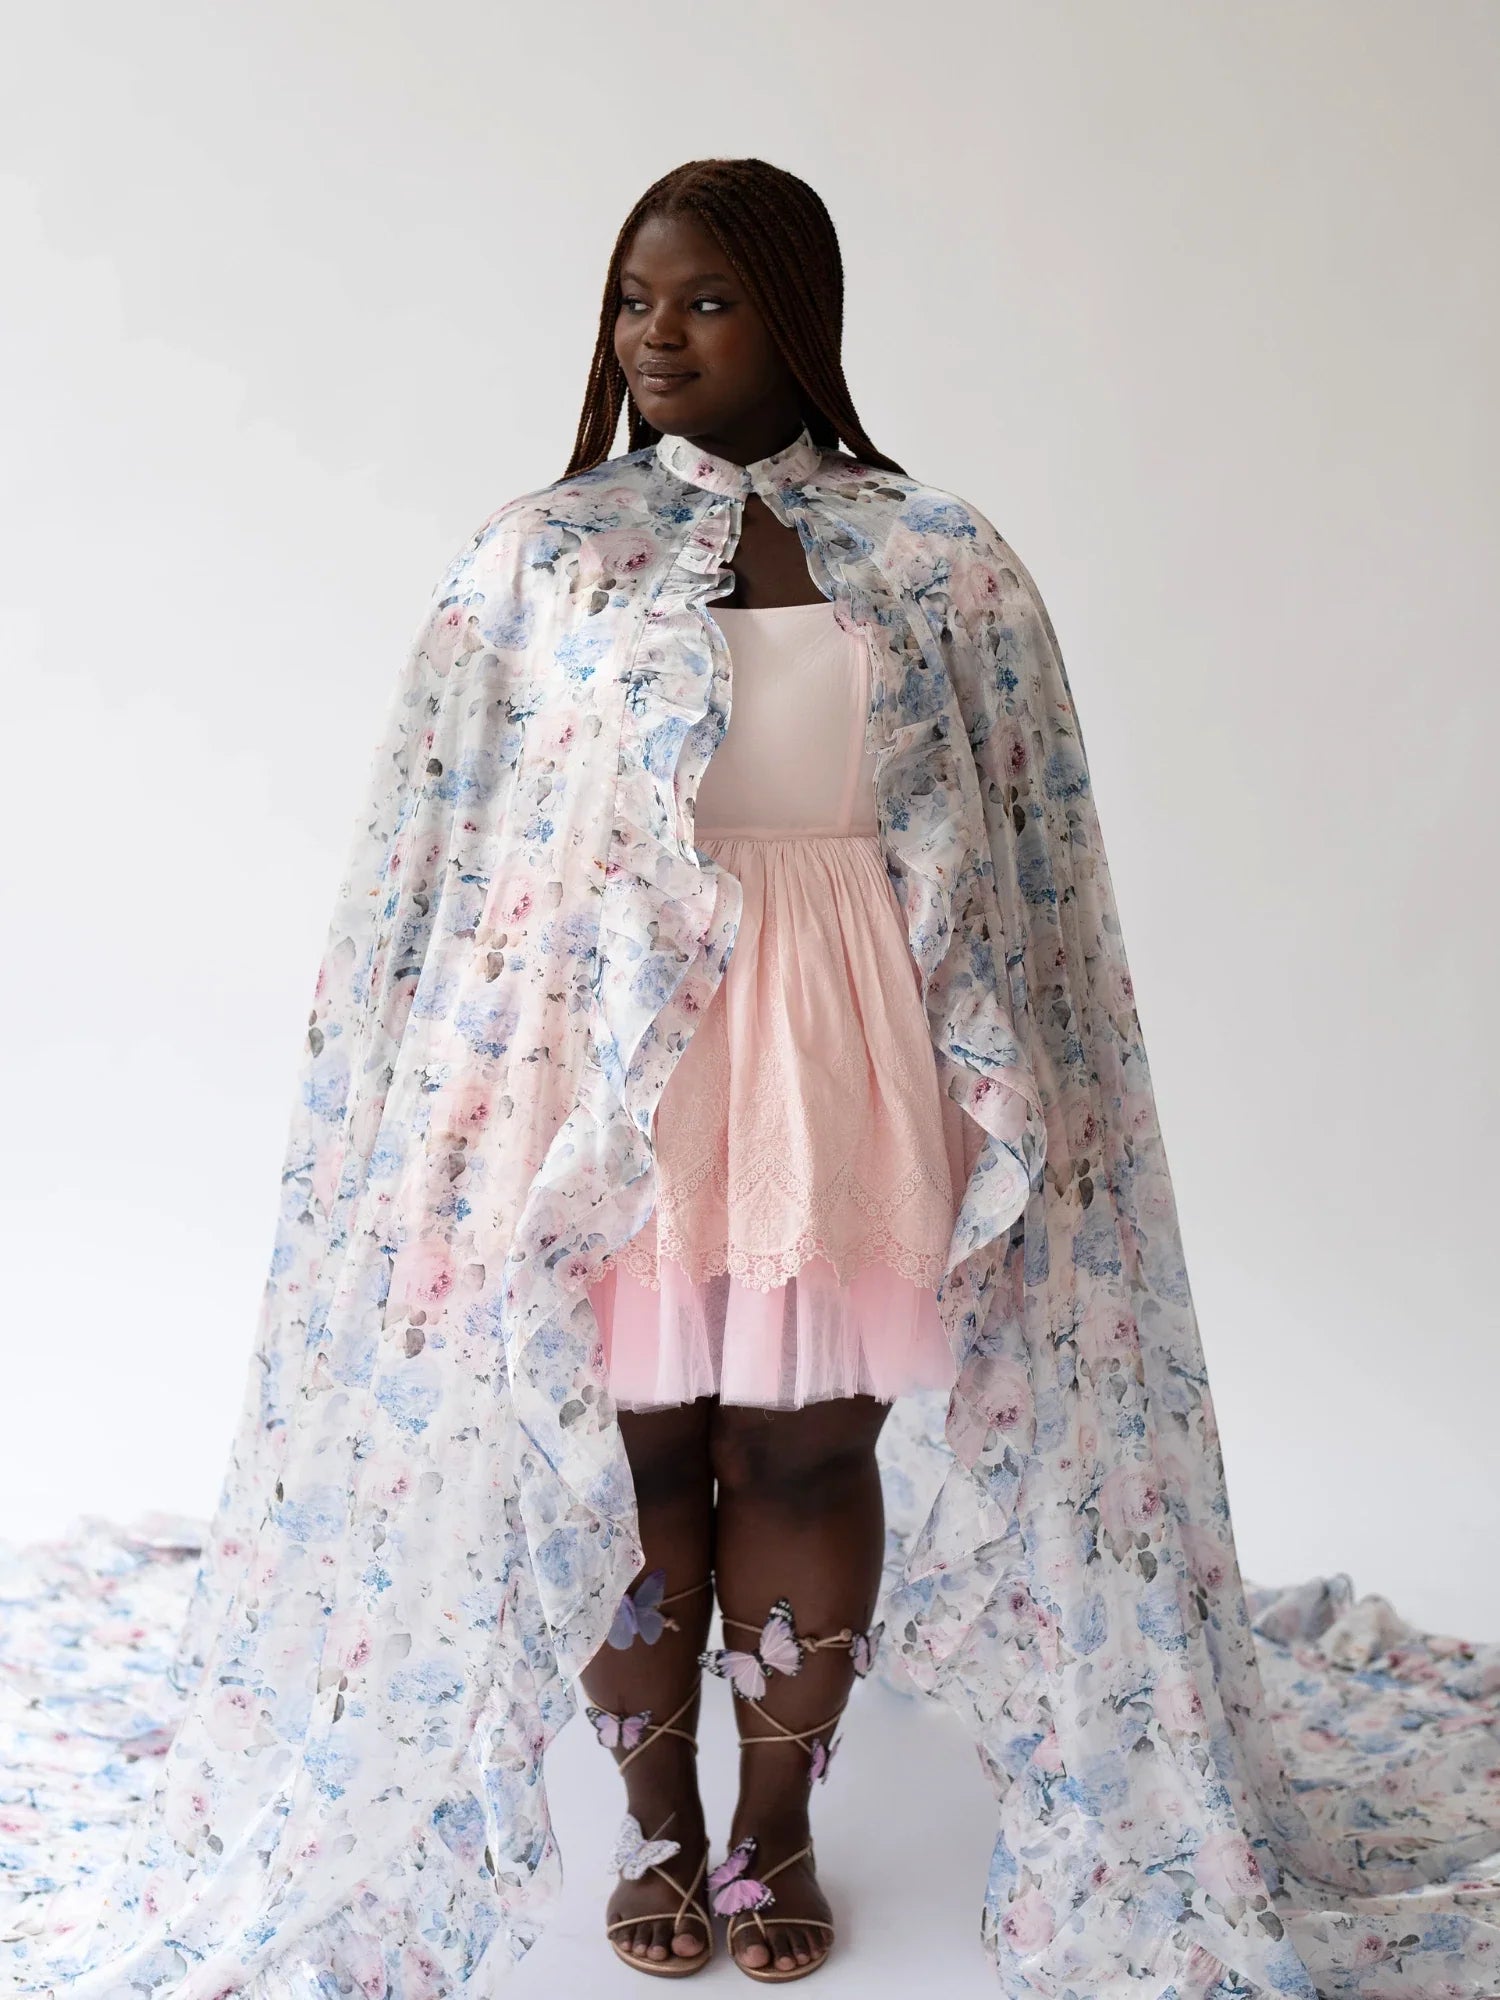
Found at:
[765, 476]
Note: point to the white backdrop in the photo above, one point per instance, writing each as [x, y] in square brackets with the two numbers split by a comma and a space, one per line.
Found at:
[1197, 304]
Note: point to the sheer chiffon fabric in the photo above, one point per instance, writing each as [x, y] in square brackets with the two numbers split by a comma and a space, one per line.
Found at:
[808, 1162]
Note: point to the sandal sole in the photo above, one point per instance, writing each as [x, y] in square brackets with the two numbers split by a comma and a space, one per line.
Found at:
[664, 1968]
[768, 1975]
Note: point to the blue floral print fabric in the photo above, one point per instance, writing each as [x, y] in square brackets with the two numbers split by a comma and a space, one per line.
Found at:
[320, 1770]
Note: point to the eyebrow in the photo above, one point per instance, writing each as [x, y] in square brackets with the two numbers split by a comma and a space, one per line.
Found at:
[698, 278]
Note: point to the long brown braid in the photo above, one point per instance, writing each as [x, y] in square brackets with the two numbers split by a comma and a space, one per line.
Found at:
[781, 243]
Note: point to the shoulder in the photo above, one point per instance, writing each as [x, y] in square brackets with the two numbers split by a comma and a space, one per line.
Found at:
[987, 571]
[537, 526]
[929, 537]
[912, 519]
[558, 500]
[942, 548]
[950, 525]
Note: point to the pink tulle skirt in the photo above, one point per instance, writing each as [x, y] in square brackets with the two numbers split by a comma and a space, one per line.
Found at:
[809, 1165]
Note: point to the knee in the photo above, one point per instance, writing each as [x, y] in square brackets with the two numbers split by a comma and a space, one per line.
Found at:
[779, 1462]
[668, 1453]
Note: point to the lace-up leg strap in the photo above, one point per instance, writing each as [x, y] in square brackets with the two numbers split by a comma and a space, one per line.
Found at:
[779, 1733]
[702, 1584]
[705, 1582]
[651, 1729]
[843, 1639]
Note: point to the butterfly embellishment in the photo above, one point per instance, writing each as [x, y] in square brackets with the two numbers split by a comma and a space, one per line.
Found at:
[639, 1613]
[617, 1732]
[822, 1757]
[780, 1651]
[862, 1647]
[731, 1887]
[634, 1854]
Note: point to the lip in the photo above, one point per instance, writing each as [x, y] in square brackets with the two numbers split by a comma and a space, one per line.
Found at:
[666, 378]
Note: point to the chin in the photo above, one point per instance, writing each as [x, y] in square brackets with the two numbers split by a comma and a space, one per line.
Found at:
[679, 413]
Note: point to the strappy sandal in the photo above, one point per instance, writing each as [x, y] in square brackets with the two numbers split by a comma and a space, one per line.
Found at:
[634, 1854]
[733, 1891]
[772, 1974]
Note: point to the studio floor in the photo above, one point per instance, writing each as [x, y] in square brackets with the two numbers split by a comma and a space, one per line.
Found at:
[904, 1826]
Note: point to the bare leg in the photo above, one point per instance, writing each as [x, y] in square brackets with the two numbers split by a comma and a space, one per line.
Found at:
[799, 1515]
[668, 1453]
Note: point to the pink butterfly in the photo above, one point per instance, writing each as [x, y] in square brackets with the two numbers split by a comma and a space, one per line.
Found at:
[639, 1614]
[822, 1756]
[617, 1732]
[730, 1888]
[862, 1648]
[780, 1651]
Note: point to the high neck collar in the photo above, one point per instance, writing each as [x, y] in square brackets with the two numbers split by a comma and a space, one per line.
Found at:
[765, 476]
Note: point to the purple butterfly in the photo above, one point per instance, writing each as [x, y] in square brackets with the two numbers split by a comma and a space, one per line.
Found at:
[730, 1888]
[617, 1732]
[822, 1756]
[862, 1648]
[780, 1651]
[639, 1614]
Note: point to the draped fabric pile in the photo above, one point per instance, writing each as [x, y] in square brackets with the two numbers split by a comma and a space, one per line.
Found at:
[321, 1769]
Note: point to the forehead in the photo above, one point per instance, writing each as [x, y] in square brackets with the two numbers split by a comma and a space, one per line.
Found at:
[675, 247]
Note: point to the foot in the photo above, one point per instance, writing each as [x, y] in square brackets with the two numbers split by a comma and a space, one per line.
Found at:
[786, 1944]
[679, 1818]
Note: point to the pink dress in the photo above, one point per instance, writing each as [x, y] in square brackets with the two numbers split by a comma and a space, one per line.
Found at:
[808, 1162]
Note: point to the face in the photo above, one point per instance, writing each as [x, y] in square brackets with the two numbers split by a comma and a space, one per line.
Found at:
[698, 357]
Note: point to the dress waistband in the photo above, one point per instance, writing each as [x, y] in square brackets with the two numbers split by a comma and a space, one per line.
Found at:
[793, 833]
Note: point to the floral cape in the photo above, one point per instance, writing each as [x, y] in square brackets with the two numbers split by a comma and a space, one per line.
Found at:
[428, 1520]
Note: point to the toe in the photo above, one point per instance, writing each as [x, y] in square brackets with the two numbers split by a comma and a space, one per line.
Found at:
[688, 1943]
[660, 1946]
[752, 1952]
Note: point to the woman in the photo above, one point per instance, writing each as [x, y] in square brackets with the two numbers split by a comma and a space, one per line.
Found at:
[752, 1441]
[440, 1508]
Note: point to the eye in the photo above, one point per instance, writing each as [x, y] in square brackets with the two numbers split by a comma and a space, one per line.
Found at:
[629, 301]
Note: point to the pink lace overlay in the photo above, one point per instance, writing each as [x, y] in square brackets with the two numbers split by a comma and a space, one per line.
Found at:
[808, 1162]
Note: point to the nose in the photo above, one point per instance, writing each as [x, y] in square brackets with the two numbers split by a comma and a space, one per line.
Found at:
[661, 327]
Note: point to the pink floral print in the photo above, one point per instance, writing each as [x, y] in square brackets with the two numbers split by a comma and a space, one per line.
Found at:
[307, 1756]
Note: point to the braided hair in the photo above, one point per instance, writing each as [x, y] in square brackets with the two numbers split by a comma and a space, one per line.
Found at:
[781, 244]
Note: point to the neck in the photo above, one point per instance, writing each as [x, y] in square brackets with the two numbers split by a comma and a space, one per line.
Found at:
[744, 442]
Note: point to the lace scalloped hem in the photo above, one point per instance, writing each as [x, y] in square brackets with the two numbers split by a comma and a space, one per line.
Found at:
[815, 1337]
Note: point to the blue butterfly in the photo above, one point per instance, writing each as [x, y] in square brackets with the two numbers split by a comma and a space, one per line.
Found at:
[639, 1614]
